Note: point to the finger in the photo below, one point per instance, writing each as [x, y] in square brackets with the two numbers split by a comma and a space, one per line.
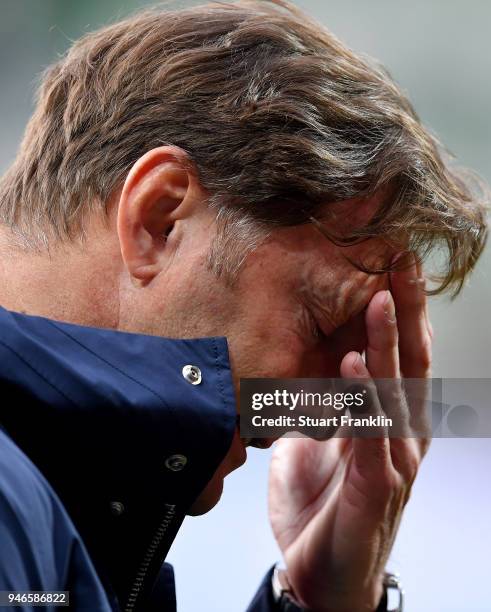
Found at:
[383, 360]
[420, 274]
[398, 452]
[382, 352]
[415, 344]
[370, 454]
[414, 338]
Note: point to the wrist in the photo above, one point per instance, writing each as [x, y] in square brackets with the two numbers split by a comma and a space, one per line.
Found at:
[374, 599]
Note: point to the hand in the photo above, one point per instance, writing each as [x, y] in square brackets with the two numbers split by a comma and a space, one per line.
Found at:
[335, 505]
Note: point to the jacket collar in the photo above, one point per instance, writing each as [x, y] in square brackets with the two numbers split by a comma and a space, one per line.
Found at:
[116, 428]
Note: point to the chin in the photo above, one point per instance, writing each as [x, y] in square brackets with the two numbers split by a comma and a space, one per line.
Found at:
[211, 494]
[208, 498]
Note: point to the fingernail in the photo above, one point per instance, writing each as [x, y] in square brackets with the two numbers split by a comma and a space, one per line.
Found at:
[389, 308]
[358, 365]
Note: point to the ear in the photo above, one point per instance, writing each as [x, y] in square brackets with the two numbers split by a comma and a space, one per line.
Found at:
[154, 197]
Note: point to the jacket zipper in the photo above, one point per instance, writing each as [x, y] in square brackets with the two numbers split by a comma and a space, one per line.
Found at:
[136, 589]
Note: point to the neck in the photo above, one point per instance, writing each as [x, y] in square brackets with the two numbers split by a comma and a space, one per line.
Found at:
[71, 282]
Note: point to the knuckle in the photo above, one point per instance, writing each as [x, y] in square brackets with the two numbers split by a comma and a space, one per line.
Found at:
[387, 484]
[379, 452]
[419, 355]
[406, 458]
[424, 355]
[411, 467]
[431, 330]
[385, 342]
[424, 444]
[393, 397]
[417, 297]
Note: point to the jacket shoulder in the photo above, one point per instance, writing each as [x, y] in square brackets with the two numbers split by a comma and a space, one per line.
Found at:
[29, 512]
[41, 549]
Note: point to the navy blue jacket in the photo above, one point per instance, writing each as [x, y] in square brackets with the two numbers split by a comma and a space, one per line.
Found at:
[89, 419]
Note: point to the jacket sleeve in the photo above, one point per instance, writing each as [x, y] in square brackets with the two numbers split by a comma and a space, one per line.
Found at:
[164, 591]
[264, 600]
[104, 414]
[40, 548]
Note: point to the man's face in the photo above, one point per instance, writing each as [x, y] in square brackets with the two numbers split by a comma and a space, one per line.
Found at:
[302, 305]
[295, 310]
[292, 311]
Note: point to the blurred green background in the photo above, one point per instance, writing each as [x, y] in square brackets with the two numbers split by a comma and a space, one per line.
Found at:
[440, 52]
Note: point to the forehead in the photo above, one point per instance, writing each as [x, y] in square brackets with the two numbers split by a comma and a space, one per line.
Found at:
[311, 241]
[337, 289]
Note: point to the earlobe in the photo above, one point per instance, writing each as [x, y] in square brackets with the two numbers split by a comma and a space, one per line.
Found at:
[152, 200]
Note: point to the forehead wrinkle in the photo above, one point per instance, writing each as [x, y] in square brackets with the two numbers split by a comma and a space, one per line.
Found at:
[305, 321]
[336, 297]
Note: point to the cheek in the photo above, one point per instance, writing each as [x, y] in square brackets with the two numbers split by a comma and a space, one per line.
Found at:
[276, 344]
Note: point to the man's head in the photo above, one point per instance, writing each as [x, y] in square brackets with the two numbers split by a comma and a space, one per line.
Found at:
[228, 169]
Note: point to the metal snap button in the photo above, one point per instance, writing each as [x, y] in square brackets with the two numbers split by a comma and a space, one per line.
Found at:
[192, 374]
[176, 463]
[117, 508]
